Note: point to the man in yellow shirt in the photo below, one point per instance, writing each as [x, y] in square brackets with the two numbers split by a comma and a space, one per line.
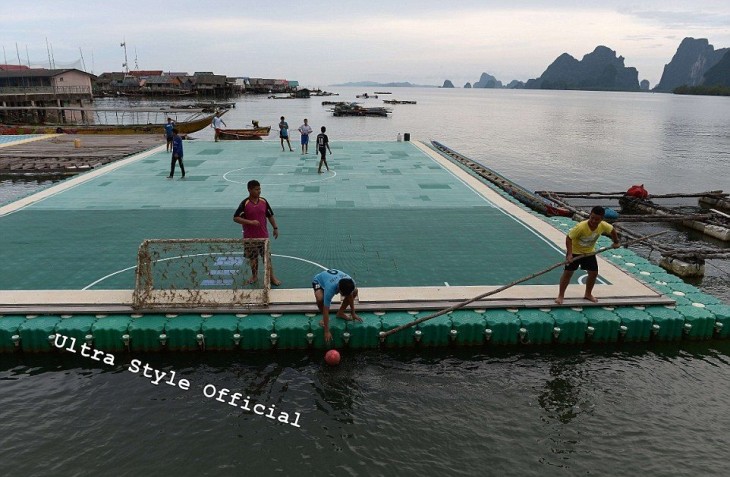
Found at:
[581, 240]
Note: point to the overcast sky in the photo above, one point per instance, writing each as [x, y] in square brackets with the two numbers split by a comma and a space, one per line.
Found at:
[321, 43]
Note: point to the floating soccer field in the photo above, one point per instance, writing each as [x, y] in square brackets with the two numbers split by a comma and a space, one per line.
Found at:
[407, 224]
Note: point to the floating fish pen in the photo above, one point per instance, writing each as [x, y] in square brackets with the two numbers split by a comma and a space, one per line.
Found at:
[686, 261]
[353, 109]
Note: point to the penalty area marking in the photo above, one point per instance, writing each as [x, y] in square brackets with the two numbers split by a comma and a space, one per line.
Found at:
[198, 255]
[582, 280]
[326, 176]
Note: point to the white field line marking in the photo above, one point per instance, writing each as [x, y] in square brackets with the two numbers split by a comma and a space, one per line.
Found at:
[315, 180]
[516, 219]
[198, 255]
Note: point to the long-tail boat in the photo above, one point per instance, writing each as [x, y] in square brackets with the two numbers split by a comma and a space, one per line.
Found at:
[244, 134]
[70, 120]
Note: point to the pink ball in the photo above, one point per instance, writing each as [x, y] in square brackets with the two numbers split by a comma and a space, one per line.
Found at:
[332, 357]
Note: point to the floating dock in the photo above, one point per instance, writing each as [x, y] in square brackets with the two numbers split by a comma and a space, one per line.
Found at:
[416, 231]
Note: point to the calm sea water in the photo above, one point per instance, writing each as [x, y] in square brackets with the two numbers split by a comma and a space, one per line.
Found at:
[618, 410]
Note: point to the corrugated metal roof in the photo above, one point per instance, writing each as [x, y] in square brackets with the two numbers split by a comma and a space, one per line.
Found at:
[38, 73]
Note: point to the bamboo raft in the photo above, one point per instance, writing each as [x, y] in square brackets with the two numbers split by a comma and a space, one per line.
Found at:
[716, 201]
[686, 261]
[711, 222]
[714, 225]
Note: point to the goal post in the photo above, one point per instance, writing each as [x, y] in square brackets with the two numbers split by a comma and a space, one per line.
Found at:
[202, 273]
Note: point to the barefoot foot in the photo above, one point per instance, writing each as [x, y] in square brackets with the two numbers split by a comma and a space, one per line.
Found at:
[591, 298]
[559, 300]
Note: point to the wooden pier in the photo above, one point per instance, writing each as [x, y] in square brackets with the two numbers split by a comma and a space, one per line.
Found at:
[71, 153]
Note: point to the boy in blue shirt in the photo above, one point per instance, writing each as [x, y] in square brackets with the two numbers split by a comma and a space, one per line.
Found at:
[168, 133]
[177, 154]
[326, 285]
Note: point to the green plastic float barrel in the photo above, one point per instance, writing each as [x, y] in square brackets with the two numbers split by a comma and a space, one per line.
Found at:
[701, 322]
[221, 332]
[111, 333]
[184, 333]
[471, 327]
[338, 329]
[402, 339]
[293, 331]
[669, 321]
[147, 333]
[539, 325]
[570, 325]
[438, 331]
[722, 319]
[502, 327]
[9, 332]
[637, 322]
[603, 324]
[35, 332]
[359, 335]
[78, 327]
[257, 332]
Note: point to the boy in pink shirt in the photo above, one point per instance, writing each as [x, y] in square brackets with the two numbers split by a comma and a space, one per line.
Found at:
[252, 213]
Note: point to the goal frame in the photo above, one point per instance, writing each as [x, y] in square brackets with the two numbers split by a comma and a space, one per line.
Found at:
[147, 296]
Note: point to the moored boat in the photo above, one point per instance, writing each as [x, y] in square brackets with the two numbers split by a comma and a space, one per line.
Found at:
[244, 134]
[395, 101]
[115, 121]
[530, 199]
[354, 109]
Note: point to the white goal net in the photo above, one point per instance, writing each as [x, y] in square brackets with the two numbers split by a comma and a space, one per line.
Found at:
[202, 273]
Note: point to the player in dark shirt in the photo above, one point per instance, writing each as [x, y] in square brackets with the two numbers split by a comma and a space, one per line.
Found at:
[323, 145]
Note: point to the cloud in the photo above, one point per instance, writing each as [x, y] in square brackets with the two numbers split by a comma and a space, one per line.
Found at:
[326, 42]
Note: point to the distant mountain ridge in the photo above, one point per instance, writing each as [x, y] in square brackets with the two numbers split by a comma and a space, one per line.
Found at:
[719, 74]
[403, 84]
[600, 70]
[487, 81]
[688, 66]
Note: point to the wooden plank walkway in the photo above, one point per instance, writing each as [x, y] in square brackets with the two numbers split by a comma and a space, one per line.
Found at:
[58, 154]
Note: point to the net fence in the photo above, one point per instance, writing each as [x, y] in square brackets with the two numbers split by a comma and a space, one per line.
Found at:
[202, 273]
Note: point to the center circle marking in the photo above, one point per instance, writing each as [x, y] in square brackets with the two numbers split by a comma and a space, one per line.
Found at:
[325, 176]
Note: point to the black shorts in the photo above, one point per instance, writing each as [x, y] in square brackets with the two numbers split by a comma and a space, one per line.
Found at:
[316, 286]
[587, 263]
[253, 251]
